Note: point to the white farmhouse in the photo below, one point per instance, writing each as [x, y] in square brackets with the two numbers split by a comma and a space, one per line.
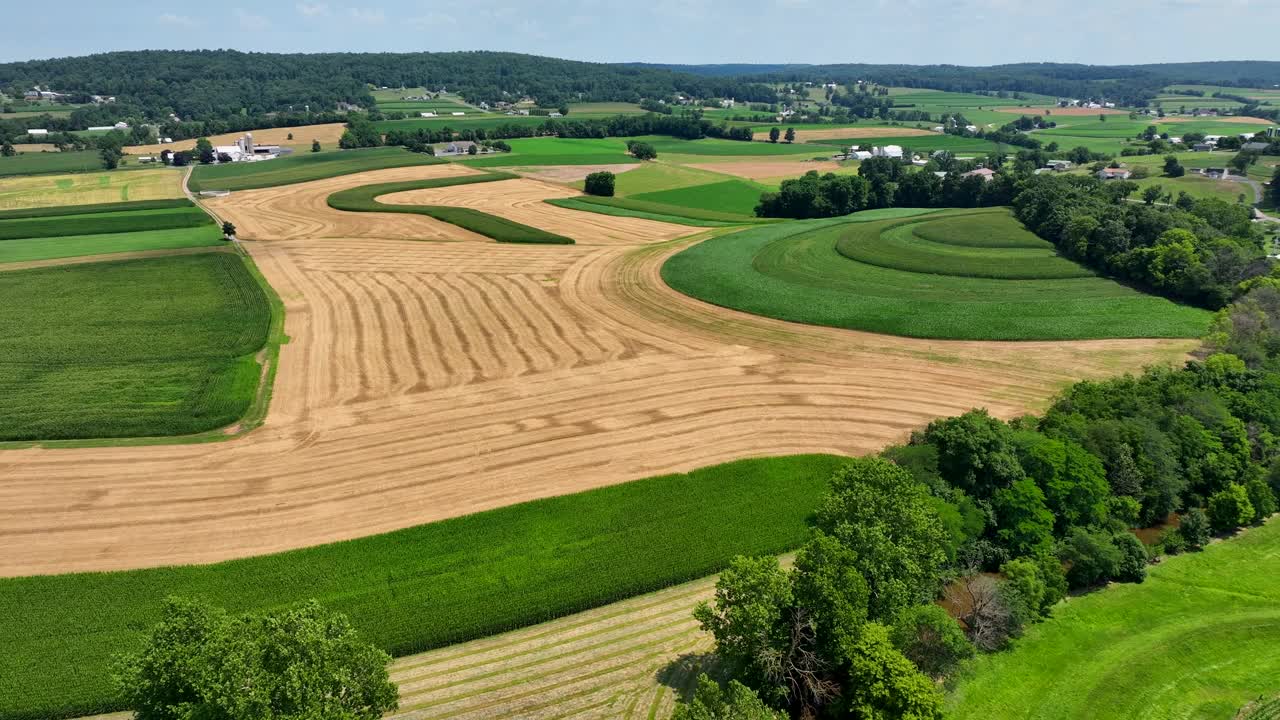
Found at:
[889, 151]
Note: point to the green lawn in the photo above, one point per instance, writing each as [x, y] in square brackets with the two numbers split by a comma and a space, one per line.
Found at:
[426, 586]
[55, 162]
[793, 271]
[131, 348]
[729, 196]
[301, 168]
[1196, 641]
[49, 248]
[364, 199]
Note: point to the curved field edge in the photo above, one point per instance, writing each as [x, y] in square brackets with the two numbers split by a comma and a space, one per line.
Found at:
[364, 199]
[266, 358]
[620, 207]
[424, 587]
[1199, 639]
[793, 272]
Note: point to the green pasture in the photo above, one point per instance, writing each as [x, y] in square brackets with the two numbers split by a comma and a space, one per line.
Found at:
[423, 587]
[301, 167]
[793, 271]
[130, 348]
[54, 162]
[364, 199]
[556, 151]
[728, 196]
[112, 207]
[625, 207]
[1196, 641]
[125, 221]
[661, 175]
[49, 248]
[719, 148]
[981, 245]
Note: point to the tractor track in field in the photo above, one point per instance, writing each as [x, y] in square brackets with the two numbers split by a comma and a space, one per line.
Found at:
[426, 380]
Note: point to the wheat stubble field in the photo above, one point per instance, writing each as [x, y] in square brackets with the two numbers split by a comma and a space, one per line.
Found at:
[426, 380]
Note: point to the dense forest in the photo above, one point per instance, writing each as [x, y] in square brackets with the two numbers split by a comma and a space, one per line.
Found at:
[206, 84]
[1124, 84]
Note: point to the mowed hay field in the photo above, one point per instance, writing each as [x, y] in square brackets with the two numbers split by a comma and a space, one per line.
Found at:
[828, 133]
[131, 348]
[958, 274]
[90, 188]
[425, 380]
[327, 134]
[1197, 640]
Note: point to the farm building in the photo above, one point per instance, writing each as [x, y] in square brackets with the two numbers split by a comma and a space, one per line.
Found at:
[985, 173]
[1202, 147]
[1255, 146]
[245, 150]
[1114, 174]
[457, 114]
[1059, 165]
[37, 133]
[427, 114]
[457, 147]
[889, 151]
[859, 155]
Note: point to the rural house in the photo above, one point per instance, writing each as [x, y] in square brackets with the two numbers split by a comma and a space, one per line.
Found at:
[1114, 174]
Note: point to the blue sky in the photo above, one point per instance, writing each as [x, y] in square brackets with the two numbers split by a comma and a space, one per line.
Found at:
[962, 32]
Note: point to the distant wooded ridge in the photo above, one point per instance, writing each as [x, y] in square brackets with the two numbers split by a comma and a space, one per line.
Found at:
[208, 84]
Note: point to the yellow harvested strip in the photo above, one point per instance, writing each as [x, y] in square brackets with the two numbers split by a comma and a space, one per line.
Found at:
[35, 191]
[625, 660]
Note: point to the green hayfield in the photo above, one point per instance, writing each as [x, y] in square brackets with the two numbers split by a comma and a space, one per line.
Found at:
[64, 210]
[50, 248]
[661, 175]
[423, 587]
[918, 143]
[301, 167]
[364, 199]
[132, 348]
[718, 148]
[793, 272]
[103, 223]
[97, 187]
[58, 162]
[946, 247]
[631, 207]
[729, 196]
[556, 151]
[609, 108]
[1198, 640]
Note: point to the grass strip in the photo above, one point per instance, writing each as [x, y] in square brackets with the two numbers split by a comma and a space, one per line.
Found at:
[364, 199]
[104, 223]
[63, 210]
[620, 208]
[424, 587]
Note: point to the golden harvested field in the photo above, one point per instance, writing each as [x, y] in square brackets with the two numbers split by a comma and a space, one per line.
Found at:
[827, 133]
[328, 135]
[569, 173]
[761, 169]
[294, 212]
[35, 147]
[522, 201]
[426, 380]
[626, 660]
[89, 188]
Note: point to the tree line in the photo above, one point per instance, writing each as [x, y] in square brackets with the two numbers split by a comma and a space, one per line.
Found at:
[952, 544]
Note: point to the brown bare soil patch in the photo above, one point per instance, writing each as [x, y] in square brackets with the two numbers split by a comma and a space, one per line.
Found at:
[1063, 111]
[1240, 119]
[328, 135]
[828, 133]
[568, 174]
[522, 201]
[429, 380]
[35, 147]
[759, 169]
[292, 212]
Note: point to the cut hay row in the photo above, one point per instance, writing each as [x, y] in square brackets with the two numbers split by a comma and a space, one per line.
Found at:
[627, 660]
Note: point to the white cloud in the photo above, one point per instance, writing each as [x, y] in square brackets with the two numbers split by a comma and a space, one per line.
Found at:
[250, 22]
[313, 10]
[369, 16]
[176, 20]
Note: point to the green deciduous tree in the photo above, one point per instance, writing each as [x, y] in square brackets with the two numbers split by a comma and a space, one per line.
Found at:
[204, 151]
[1173, 168]
[1024, 524]
[877, 510]
[641, 150]
[1151, 194]
[931, 639]
[300, 664]
[1133, 558]
[735, 701]
[790, 135]
[1195, 529]
[975, 452]
[1262, 497]
[883, 683]
[1230, 508]
[1074, 481]
[315, 146]
[1092, 556]
[600, 183]
[774, 134]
